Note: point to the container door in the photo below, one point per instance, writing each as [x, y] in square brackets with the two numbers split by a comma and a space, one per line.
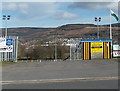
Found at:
[107, 50]
[86, 51]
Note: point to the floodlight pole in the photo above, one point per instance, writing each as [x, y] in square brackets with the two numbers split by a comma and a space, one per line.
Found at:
[6, 28]
[6, 18]
[98, 20]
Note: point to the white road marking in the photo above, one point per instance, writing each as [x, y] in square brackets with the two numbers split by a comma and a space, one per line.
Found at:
[58, 80]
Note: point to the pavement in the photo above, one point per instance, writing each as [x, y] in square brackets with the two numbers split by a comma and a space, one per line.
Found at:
[66, 71]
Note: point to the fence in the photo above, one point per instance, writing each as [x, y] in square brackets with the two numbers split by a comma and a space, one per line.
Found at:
[76, 51]
[9, 55]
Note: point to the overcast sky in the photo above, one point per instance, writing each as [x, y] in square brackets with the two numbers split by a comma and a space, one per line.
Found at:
[54, 14]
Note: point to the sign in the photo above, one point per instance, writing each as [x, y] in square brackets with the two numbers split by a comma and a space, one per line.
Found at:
[6, 45]
[2, 42]
[96, 50]
[116, 50]
[96, 47]
[9, 42]
[116, 53]
[116, 47]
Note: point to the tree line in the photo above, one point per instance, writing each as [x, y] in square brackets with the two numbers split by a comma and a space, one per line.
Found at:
[42, 52]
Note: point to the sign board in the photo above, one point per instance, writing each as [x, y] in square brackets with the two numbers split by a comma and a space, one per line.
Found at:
[96, 50]
[96, 47]
[116, 47]
[6, 45]
[116, 50]
[2, 42]
[116, 53]
[9, 42]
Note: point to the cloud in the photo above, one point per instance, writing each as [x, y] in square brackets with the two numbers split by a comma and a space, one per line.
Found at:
[94, 5]
[10, 6]
[38, 10]
[65, 15]
[0, 6]
[14, 6]
[60, 0]
[31, 9]
[23, 8]
[113, 6]
[95, 0]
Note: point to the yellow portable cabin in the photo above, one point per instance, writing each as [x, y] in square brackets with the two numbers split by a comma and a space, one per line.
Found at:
[96, 48]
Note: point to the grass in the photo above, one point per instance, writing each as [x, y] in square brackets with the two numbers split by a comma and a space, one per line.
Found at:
[3, 63]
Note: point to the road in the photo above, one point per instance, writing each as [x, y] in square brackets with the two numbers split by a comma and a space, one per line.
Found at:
[82, 69]
[97, 84]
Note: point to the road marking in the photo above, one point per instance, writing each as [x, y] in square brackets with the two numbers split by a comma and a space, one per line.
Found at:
[57, 80]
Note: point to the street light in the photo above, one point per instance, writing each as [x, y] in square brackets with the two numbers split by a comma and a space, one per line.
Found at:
[6, 18]
[98, 20]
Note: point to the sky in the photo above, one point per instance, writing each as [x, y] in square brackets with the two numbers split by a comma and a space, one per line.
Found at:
[53, 14]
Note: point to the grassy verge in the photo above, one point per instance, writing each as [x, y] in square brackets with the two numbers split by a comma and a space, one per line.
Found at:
[3, 63]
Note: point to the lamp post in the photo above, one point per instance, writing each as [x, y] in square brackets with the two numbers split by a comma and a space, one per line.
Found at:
[98, 20]
[6, 18]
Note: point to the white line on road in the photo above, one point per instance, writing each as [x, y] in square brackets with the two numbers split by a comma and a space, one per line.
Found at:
[58, 80]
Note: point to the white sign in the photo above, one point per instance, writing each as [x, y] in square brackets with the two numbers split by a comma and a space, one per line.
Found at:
[2, 42]
[5, 46]
[116, 53]
[116, 47]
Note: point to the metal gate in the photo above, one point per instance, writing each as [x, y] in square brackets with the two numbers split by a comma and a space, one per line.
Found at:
[10, 56]
[76, 50]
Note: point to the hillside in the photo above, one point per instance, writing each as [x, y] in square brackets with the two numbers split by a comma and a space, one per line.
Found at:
[65, 31]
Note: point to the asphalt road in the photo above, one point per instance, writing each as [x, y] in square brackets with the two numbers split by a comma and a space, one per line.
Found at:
[98, 84]
[61, 70]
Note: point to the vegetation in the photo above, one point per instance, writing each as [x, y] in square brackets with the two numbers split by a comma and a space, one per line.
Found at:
[64, 31]
[3, 63]
[30, 39]
[43, 52]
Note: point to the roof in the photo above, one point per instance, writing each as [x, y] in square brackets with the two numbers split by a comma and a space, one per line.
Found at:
[95, 40]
